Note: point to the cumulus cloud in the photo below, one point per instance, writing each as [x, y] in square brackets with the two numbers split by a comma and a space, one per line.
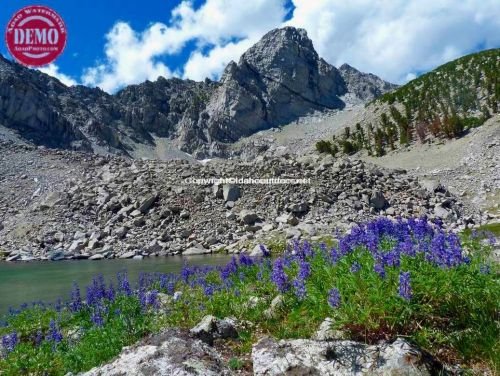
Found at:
[53, 70]
[225, 27]
[401, 38]
[199, 66]
[395, 39]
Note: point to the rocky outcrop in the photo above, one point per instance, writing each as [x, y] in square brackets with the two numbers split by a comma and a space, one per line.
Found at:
[337, 358]
[169, 353]
[275, 82]
[364, 87]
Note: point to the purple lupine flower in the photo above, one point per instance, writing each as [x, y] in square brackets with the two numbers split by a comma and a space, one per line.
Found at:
[38, 338]
[123, 284]
[304, 270]
[279, 277]
[245, 260]
[163, 281]
[405, 290]
[96, 318]
[379, 269]
[334, 256]
[76, 299]
[208, 290]
[152, 299]
[10, 341]
[355, 267]
[110, 293]
[229, 269]
[58, 305]
[54, 335]
[334, 298]
[300, 288]
[265, 251]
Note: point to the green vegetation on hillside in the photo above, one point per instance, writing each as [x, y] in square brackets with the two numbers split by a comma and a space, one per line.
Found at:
[444, 103]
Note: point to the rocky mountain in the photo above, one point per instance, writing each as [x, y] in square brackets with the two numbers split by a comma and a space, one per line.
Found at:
[278, 80]
[364, 86]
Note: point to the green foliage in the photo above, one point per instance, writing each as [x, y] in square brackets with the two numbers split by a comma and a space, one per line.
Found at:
[455, 309]
[236, 364]
[446, 102]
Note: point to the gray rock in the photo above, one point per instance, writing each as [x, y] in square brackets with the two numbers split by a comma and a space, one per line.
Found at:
[128, 255]
[441, 212]
[210, 328]
[299, 208]
[121, 231]
[277, 304]
[377, 200]
[193, 251]
[96, 257]
[248, 217]
[337, 358]
[169, 353]
[327, 333]
[364, 86]
[147, 203]
[231, 192]
[256, 251]
[217, 191]
[56, 255]
[288, 219]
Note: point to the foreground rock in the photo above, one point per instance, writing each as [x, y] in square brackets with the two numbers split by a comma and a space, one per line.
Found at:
[170, 353]
[210, 328]
[308, 357]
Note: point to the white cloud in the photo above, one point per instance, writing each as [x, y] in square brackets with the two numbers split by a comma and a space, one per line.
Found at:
[400, 37]
[53, 70]
[394, 39]
[131, 57]
[199, 66]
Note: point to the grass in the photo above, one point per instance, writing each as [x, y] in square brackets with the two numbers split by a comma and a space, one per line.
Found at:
[448, 303]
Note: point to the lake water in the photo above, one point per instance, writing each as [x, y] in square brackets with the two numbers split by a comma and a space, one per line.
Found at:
[47, 281]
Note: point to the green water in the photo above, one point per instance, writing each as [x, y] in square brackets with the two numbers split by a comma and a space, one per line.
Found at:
[47, 281]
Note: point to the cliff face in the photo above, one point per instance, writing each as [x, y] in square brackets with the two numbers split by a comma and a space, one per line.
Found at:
[276, 81]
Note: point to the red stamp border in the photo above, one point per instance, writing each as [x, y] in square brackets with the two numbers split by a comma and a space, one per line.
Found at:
[21, 10]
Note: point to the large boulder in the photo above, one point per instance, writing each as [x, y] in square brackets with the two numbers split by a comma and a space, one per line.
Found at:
[338, 358]
[169, 353]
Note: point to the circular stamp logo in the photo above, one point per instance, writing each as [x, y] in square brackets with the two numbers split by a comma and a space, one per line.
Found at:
[35, 36]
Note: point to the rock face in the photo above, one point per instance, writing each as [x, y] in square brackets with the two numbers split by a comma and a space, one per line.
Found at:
[170, 353]
[276, 81]
[337, 358]
[364, 86]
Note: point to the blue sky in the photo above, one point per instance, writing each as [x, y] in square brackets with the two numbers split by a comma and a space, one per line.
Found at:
[114, 43]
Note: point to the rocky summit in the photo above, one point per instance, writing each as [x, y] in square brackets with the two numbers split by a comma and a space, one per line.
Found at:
[276, 81]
